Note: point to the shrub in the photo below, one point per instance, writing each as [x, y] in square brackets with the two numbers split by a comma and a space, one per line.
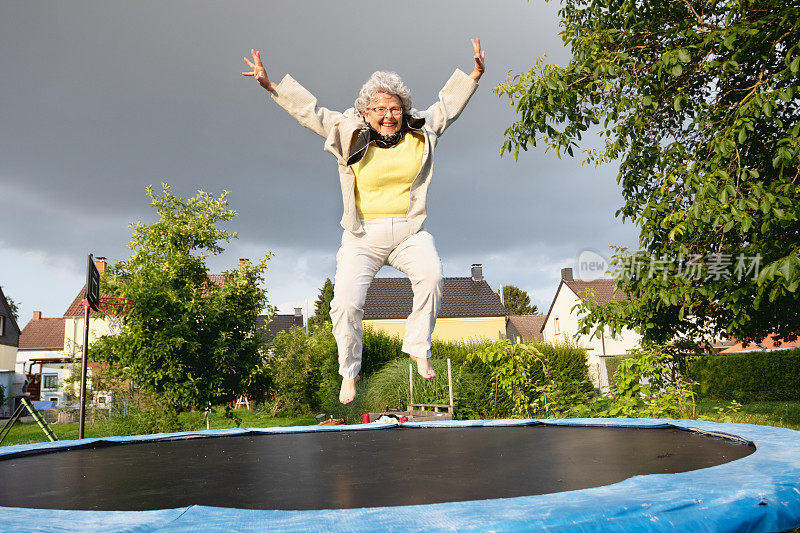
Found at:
[749, 376]
[612, 363]
[379, 348]
[154, 416]
[296, 380]
[646, 387]
[522, 374]
[565, 361]
[389, 388]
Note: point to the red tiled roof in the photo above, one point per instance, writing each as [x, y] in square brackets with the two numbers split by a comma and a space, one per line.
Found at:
[217, 279]
[603, 287]
[461, 297]
[43, 334]
[529, 327]
[768, 344]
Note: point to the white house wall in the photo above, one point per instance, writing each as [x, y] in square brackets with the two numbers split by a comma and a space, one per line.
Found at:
[597, 348]
[8, 357]
[73, 334]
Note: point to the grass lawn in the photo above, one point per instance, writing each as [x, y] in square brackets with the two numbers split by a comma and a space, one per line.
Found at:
[30, 432]
[780, 414]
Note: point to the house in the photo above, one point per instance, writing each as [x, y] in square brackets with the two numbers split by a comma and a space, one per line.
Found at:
[766, 345]
[525, 328]
[470, 310]
[270, 327]
[50, 346]
[9, 344]
[561, 323]
[42, 365]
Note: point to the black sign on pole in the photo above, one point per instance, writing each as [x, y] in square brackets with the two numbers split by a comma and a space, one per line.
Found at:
[92, 284]
[90, 302]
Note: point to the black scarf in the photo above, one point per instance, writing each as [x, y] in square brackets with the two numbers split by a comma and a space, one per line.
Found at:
[367, 134]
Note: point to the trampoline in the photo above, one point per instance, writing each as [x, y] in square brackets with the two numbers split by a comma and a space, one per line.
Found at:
[585, 474]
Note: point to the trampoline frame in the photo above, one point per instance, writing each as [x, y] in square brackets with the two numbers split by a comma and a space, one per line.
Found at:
[760, 492]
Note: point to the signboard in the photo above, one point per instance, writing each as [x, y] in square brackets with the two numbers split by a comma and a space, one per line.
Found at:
[92, 284]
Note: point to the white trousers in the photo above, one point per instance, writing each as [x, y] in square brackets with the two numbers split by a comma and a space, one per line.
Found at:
[385, 241]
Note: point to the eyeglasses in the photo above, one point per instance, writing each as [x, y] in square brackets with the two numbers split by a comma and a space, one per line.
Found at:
[381, 111]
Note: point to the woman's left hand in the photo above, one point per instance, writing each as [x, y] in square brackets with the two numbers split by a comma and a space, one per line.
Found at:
[480, 55]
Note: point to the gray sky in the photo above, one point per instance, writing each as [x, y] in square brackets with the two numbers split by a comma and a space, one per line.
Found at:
[100, 99]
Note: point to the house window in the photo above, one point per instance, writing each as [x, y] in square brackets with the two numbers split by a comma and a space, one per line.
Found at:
[556, 327]
[2, 326]
[50, 381]
[54, 400]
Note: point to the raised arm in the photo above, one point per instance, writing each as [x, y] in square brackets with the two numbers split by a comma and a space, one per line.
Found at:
[259, 72]
[456, 93]
[480, 56]
[294, 98]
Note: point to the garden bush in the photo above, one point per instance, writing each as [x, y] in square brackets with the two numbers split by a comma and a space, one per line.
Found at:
[389, 388]
[521, 374]
[748, 376]
[612, 363]
[295, 379]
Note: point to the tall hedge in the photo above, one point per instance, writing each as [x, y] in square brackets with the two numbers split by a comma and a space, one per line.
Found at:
[748, 376]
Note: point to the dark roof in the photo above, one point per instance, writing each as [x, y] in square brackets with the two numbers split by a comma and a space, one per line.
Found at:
[277, 324]
[43, 334]
[529, 327]
[462, 297]
[5, 310]
[603, 287]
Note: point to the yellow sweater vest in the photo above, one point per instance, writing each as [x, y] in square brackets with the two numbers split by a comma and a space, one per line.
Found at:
[384, 177]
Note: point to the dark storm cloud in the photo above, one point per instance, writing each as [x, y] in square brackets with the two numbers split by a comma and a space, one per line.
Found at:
[99, 99]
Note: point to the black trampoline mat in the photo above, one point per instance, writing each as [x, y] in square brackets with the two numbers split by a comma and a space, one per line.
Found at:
[351, 469]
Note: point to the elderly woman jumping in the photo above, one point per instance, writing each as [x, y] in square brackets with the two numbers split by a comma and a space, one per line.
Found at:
[384, 149]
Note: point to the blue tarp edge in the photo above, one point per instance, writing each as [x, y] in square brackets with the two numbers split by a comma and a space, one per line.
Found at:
[760, 492]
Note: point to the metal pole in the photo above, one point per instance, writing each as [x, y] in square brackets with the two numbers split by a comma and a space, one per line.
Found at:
[84, 368]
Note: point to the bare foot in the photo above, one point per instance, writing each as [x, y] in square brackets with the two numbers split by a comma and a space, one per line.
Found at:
[348, 391]
[424, 367]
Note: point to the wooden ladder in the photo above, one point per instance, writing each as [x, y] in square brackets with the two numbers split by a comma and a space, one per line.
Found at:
[425, 406]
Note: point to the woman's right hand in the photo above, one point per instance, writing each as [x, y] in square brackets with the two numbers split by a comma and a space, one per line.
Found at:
[259, 72]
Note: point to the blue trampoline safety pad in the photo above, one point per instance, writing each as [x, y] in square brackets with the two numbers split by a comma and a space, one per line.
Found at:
[760, 492]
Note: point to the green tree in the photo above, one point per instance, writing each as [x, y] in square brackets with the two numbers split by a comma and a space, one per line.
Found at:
[14, 306]
[187, 340]
[322, 307]
[517, 301]
[697, 103]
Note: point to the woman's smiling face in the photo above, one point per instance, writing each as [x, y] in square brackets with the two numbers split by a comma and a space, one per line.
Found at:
[390, 122]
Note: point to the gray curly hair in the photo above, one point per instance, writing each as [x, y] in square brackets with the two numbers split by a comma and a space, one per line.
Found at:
[383, 81]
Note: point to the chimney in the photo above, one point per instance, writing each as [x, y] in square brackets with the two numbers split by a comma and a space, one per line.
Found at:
[566, 274]
[37, 315]
[477, 272]
[243, 262]
[101, 264]
[298, 311]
